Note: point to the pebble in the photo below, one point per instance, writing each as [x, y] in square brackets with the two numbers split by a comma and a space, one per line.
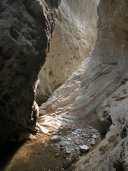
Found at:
[94, 136]
[84, 148]
[55, 138]
[97, 133]
[67, 163]
[72, 144]
[63, 143]
[43, 129]
[85, 135]
[93, 142]
[32, 137]
[69, 139]
[78, 150]
[94, 130]
[78, 142]
[74, 157]
[68, 150]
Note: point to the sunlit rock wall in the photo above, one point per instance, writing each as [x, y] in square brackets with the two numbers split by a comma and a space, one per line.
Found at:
[73, 40]
[99, 88]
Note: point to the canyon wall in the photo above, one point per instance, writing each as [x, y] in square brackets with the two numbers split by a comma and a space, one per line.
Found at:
[112, 48]
[99, 87]
[25, 33]
[73, 40]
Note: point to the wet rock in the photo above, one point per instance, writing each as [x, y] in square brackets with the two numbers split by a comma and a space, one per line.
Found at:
[55, 138]
[84, 148]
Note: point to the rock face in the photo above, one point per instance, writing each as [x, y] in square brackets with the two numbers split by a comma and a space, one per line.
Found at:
[73, 40]
[100, 86]
[25, 32]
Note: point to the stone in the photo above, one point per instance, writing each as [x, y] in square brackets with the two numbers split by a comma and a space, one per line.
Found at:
[55, 138]
[69, 139]
[93, 142]
[84, 148]
[94, 131]
[24, 43]
[32, 137]
[67, 163]
[25, 32]
[74, 157]
[68, 150]
[63, 143]
[94, 136]
[85, 135]
[42, 129]
[78, 142]
[78, 150]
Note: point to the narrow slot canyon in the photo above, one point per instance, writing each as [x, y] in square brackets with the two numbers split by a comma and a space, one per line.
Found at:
[64, 85]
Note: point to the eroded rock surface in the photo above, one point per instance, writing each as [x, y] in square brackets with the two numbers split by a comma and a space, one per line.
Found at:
[25, 32]
[73, 40]
[100, 85]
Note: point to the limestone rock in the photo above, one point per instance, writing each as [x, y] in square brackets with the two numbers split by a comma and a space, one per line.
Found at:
[99, 85]
[112, 47]
[55, 138]
[73, 40]
[25, 32]
[84, 148]
[67, 163]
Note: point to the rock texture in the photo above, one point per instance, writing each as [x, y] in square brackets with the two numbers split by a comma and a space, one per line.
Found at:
[100, 86]
[73, 40]
[25, 32]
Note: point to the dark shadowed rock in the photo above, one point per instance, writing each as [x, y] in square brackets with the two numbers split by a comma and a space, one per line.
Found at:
[25, 33]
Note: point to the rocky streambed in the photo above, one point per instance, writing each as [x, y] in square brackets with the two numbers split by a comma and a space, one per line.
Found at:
[58, 144]
[70, 139]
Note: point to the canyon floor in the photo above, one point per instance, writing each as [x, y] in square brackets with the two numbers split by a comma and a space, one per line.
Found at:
[57, 146]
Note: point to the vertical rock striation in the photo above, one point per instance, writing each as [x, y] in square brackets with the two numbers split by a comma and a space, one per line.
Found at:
[111, 49]
[73, 40]
[100, 85]
[25, 32]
